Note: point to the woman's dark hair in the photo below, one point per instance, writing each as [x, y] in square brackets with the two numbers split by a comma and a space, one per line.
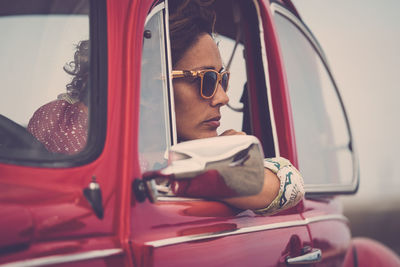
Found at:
[79, 68]
[188, 19]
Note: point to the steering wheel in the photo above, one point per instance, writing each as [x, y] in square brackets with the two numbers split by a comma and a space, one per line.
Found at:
[15, 137]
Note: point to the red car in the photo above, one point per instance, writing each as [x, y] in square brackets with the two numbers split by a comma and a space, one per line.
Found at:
[100, 206]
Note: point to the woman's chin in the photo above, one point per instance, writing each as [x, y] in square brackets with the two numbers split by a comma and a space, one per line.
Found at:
[208, 134]
[202, 135]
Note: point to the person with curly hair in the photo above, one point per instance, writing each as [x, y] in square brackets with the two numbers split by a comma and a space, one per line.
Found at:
[62, 125]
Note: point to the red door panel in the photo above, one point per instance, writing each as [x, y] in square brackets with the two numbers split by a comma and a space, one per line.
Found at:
[206, 233]
[329, 230]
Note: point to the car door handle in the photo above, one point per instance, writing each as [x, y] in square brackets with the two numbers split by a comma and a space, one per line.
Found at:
[315, 255]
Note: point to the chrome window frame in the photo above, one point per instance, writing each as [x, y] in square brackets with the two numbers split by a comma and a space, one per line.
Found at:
[267, 80]
[174, 135]
[169, 114]
[172, 110]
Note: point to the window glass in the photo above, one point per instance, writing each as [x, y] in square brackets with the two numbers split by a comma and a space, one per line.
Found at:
[322, 135]
[232, 114]
[154, 121]
[44, 70]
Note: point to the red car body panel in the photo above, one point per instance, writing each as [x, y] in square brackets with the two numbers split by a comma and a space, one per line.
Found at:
[332, 238]
[368, 252]
[193, 219]
[43, 212]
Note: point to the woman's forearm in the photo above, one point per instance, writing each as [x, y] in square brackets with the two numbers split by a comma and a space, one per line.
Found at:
[267, 194]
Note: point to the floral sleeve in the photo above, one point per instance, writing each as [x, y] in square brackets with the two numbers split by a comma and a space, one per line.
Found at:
[291, 189]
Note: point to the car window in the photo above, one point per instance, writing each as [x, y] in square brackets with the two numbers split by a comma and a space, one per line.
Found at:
[322, 135]
[232, 114]
[249, 108]
[156, 109]
[157, 129]
[45, 71]
[154, 125]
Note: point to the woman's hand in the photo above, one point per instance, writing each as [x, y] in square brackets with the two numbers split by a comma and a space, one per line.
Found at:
[232, 132]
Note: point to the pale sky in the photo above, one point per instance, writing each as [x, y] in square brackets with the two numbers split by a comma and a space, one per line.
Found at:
[361, 39]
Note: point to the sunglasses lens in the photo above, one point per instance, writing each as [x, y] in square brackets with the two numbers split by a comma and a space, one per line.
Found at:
[225, 80]
[209, 81]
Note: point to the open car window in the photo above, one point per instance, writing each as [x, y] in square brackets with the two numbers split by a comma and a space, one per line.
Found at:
[241, 53]
[232, 114]
[46, 72]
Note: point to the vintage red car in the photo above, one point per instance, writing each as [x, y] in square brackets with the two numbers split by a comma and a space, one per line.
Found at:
[93, 208]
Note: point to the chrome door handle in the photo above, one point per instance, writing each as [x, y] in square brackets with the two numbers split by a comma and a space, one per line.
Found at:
[315, 255]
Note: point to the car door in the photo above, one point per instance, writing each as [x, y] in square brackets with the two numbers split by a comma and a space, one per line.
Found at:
[196, 232]
[325, 146]
[58, 179]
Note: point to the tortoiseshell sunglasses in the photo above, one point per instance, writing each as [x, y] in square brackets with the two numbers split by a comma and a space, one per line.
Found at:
[209, 80]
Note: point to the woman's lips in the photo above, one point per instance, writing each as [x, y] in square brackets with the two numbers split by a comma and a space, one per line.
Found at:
[213, 122]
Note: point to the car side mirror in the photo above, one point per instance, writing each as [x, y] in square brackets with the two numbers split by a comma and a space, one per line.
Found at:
[217, 167]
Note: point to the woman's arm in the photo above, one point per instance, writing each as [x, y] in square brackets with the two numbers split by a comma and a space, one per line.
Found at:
[289, 192]
[267, 194]
[283, 187]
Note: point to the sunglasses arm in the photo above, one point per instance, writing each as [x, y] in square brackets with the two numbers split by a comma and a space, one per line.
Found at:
[184, 73]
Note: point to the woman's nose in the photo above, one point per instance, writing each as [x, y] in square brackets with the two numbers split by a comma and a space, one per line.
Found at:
[220, 98]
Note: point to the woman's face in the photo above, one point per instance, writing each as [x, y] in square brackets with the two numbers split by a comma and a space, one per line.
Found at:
[197, 117]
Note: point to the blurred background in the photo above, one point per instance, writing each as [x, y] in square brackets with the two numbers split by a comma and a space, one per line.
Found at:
[361, 39]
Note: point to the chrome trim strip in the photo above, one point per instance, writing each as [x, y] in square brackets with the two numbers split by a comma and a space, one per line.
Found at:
[267, 80]
[245, 230]
[178, 199]
[154, 11]
[50, 260]
[330, 217]
[166, 79]
[169, 71]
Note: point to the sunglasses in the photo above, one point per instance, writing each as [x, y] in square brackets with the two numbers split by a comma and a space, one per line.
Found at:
[209, 80]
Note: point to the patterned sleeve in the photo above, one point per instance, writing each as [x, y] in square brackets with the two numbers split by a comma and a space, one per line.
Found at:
[291, 189]
[60, 126]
